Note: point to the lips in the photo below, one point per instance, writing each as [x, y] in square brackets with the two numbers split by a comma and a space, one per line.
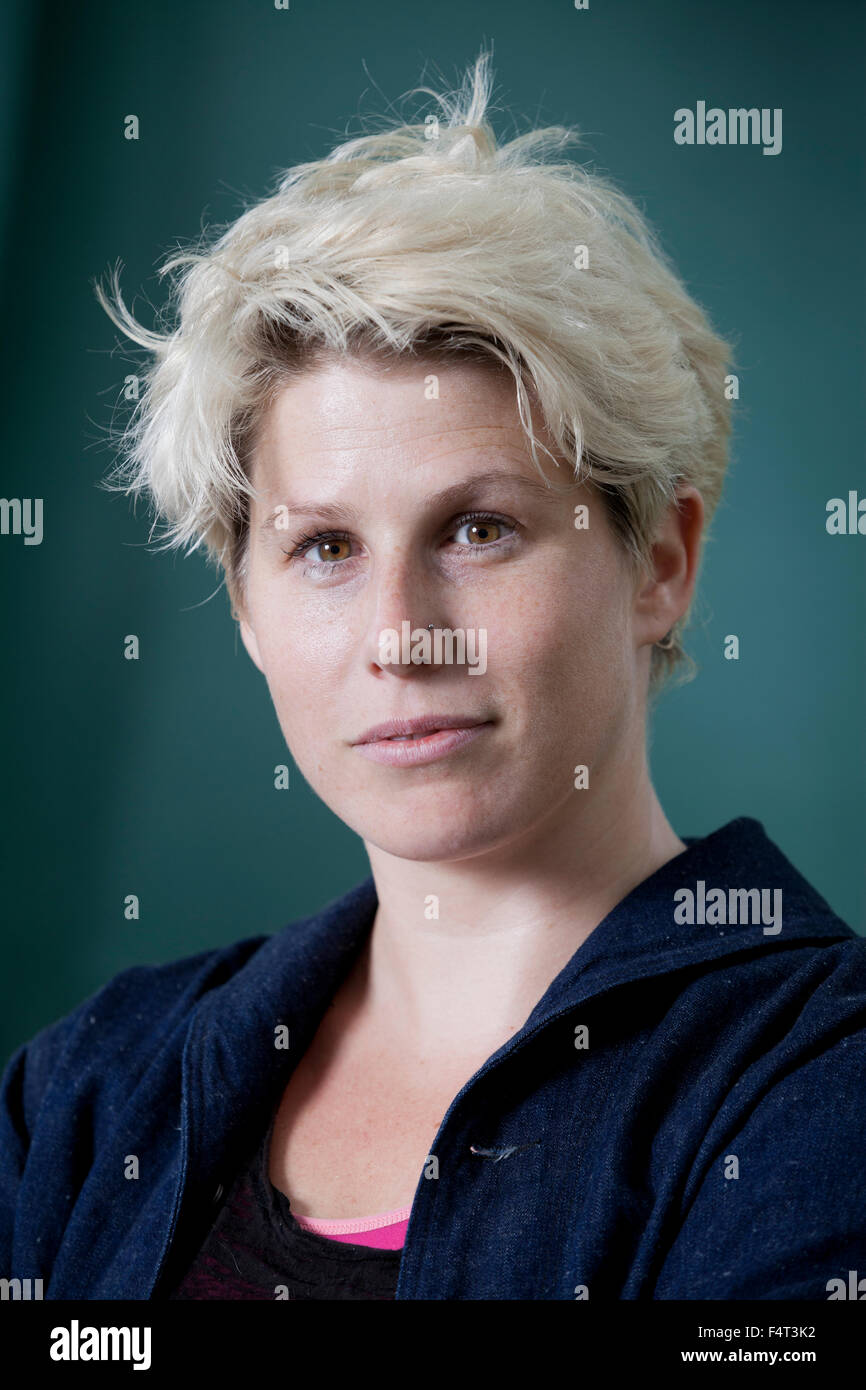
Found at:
[413, 748]
[407, 730]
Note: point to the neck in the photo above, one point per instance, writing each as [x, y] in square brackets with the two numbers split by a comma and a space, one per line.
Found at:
[465, 981]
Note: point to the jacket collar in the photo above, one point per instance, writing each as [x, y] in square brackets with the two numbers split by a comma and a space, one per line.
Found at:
[294, 975]
[299, 968]
[641, 937]
[234, 1071]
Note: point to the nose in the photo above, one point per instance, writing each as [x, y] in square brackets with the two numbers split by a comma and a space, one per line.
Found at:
[403, 600]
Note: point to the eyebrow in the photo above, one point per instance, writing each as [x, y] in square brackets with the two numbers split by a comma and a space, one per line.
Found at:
[336, 513]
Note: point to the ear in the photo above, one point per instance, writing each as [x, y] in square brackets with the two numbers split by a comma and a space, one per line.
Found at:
[252, 646]
[666, 593]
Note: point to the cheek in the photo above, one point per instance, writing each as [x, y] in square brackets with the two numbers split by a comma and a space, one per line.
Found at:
[572, 622]
[559, 663]
[306, 663]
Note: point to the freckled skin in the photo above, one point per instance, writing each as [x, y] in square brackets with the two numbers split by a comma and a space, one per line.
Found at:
[521, 865]
[564, 668]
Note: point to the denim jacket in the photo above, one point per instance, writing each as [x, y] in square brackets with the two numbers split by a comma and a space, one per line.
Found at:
[681, 1116]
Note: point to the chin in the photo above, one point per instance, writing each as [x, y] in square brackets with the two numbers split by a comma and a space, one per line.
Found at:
[420, 849]
[440, 839]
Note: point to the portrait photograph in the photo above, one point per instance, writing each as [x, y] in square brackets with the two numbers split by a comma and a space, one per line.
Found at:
[433, 540]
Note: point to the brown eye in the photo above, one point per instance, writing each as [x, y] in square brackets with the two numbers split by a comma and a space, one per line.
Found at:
[330, 544]
[480, 533]
[333, 549]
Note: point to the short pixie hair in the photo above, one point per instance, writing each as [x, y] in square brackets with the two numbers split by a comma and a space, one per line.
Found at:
[430, 241]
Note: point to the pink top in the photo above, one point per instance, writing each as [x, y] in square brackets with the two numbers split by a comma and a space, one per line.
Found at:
[386, 1230]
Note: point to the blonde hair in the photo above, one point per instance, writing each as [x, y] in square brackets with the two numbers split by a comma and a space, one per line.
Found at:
[424, 240]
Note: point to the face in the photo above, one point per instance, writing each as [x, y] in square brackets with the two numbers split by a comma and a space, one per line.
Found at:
[380, 507]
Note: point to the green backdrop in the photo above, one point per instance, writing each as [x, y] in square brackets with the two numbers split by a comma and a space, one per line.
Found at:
[156, 777]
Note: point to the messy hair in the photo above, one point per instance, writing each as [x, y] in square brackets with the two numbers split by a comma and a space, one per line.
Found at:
[420, 241]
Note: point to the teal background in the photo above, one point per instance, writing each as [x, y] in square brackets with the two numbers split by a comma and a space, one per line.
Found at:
[156, 777]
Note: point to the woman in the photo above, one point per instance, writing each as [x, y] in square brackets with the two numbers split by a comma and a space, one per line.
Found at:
[454, 430]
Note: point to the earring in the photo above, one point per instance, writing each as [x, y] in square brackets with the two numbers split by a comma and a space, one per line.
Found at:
[668, 641]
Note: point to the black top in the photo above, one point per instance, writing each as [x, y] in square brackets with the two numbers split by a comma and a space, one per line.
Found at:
[256, 1250]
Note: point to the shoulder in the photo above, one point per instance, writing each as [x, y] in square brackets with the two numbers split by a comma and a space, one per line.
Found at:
[121, 1025]
[143, 1014]
[772, 1203]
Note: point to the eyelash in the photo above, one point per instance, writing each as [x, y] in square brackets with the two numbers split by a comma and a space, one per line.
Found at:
[307, 542]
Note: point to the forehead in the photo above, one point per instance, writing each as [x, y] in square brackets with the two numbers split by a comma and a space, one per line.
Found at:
[348, 419]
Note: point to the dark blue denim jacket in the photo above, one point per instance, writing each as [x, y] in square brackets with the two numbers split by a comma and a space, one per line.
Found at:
[707, 1141]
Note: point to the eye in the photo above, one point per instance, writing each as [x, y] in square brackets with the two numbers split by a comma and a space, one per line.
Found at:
[483, 530]
[334, 547]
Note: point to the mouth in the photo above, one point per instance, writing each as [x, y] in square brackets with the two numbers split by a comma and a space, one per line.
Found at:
[409, 743]
[401, 730]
